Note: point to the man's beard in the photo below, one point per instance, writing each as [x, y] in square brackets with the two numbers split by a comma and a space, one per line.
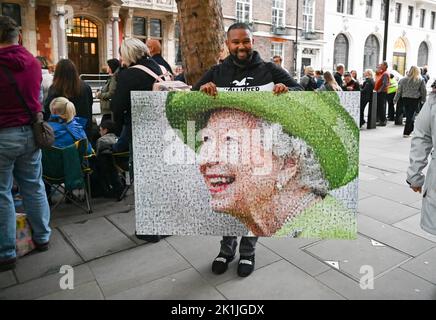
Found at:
[240, 62]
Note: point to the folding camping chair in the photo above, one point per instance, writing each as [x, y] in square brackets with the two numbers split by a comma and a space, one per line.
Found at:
[65, 170]
[123, 164]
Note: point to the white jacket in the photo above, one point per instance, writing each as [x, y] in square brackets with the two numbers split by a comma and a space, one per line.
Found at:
[423, 142]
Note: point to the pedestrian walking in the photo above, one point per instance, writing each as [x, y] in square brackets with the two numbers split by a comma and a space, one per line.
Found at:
[422, 145]
[412, 91]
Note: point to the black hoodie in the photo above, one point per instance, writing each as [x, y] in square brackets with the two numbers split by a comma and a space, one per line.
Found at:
[257, 75]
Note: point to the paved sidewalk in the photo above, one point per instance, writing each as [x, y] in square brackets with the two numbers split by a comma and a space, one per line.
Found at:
[110, 263]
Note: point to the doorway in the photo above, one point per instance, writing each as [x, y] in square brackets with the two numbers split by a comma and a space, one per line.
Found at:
[399, 58]
[83, 46]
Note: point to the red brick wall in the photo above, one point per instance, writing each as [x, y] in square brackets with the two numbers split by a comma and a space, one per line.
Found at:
[43, 32]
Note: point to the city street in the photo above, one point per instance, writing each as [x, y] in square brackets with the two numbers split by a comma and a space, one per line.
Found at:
[110, 263]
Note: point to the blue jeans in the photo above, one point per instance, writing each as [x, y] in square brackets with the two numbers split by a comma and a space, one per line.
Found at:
[20, 159]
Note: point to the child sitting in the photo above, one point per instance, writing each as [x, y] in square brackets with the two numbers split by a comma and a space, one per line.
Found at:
[67, 128]
[106, 175]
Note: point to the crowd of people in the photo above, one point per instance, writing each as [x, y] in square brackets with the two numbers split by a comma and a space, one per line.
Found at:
[66, 102]
[404, 97]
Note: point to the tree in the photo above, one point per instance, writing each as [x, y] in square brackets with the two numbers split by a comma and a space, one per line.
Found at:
[201, 35]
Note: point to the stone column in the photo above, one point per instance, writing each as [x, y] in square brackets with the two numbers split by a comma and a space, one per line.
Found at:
[29, 25]
[57, 16]
[128, 32]
[62, 38]
[170, 43]
[115, 38]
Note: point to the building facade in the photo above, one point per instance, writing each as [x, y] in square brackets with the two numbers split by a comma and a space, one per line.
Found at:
[354, 33]
[90, 32]
[274, 28]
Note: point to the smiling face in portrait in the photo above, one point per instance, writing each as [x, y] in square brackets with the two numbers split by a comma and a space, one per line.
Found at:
[240, 44]
[238, 171]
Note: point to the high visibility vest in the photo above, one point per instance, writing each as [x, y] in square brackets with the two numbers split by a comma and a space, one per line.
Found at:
[393, 86]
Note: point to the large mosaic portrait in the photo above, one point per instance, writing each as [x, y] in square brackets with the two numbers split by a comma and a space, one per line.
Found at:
[246, 163]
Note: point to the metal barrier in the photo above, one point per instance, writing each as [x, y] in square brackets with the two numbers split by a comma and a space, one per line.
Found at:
[96, 82]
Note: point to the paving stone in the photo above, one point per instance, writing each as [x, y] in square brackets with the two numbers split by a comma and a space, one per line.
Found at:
[387, 163]
[7, 279]
[290, 249]
[184, 285]
[389, 190]
[201, 250]
[384, 210]
[87, 291]
[102, 208]
[392, 236]
[413, 225]
[372, 172]
[126, 223]
[398, 178]
[137, 266]
[417, 204]
[396, 284]
[363, 195]
[423, 266]
[278, 281]
[46, 285]
[352, 255]
[96, 238]
[39, 264]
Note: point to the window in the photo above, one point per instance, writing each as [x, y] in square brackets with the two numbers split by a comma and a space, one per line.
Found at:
[243, 8]
[398, 12]
[340, 6]
[140, 27]
[371, 53]
[368, 12]
[278, 13]
[13, 11]
[423, 54]
[422, 18]
[83, 28]
[433, 16]
[382, 10]
[350, 6]
[147, 27]
[277, 49]
[409, 15]
[341, 50]
[308, 9]
[155, 28]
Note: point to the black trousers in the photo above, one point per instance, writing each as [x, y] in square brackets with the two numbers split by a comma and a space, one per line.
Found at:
[410, 107]
[391, 107]
[381, 106]
[363, 102]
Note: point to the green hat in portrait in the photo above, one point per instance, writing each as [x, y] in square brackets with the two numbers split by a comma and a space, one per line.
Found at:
[318, 118]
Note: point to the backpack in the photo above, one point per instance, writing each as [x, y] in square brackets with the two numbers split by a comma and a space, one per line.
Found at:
[311, 85]
[161, 84]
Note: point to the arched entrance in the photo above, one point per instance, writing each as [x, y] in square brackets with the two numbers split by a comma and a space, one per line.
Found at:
[423, 54]
[371, 53]
[340, 54]
[399, 58]
[82, 41]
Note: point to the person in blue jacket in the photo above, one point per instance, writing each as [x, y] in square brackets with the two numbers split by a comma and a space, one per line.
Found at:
[67, 128]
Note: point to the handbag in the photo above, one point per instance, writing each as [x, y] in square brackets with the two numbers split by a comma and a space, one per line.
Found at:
[43, 133]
